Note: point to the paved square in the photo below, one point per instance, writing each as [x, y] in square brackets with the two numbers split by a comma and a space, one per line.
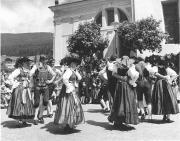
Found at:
[96, 128]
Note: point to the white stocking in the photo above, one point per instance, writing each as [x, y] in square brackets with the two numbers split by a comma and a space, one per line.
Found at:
[103, 104]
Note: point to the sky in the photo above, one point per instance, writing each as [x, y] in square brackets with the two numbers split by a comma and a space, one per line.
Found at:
[23, 16]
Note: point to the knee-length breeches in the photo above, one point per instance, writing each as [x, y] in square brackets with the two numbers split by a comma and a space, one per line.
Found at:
[44, 91]
[103, 93]
[144, 87]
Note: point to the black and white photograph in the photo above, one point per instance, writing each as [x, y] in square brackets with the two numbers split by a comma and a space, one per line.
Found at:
[90, 70]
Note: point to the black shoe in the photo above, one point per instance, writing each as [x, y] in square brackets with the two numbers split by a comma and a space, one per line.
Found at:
[20, 122]
[26, 124]
[168, 120]
[146, 112]
[109, 119]
[41, 120]
[35, 122]
[126, 127]
[143, 117]
[116, 125]
[68, 129]
[164, 118]
[50, 115]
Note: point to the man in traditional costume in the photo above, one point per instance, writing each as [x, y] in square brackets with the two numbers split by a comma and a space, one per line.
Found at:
[41, 91]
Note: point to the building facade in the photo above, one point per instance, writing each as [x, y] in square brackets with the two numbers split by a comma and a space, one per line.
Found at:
[68, 14]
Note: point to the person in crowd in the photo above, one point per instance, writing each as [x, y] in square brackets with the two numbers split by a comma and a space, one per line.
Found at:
[69, 112]
[164, 100]
[144, 87]
[5, 90]
[103, 95]
[124, 108]
[96, 85]
[83, 87]
[59, 79]
[89, 85]
[111, 79]
[41, 91]
[86, 85]
[52, 86]
[173, 76]
[20, 106]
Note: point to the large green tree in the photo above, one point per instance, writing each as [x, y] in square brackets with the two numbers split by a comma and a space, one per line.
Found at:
[141, 35]
[88, 44]
[87, 40]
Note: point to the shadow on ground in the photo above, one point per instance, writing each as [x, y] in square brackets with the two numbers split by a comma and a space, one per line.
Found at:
[13, 124]
[54, 129]
[98, 111]
[94, 111]
[107, 126]
[156, 121]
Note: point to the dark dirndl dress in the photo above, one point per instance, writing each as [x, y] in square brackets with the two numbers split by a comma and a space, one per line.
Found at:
[111, 82]
[17, 109]
[124, 108]
[164, 100]
[68, 112]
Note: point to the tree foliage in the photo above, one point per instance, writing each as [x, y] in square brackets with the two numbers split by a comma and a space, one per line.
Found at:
[141, 35]
[87, 40]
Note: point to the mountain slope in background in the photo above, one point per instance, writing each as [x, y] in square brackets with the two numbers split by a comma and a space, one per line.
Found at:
[26, 44]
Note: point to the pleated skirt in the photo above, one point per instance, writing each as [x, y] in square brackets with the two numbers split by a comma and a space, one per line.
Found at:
[17, 109]
[68, 111]
[164, 100]
[124, 108]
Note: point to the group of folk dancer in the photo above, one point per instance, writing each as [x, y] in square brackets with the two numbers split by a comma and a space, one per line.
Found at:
[125, 81]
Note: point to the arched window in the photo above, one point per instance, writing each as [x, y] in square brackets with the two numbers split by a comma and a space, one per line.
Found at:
[99, 19]
[110, 14]
[122, 16]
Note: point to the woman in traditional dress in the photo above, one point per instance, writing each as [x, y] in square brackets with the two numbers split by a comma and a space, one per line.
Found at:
[124, 108]
[172, 78]
[164, 101]
[69, 112]
[52, 86]
[83, 88]
[111, 79]
[20, 106]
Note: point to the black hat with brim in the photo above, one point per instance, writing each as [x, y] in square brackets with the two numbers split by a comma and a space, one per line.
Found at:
[21, 60]
[43, 58]
[71, 59]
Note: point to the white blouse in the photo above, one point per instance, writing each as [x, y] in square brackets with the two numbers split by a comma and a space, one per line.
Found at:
[103, 73]
[69, 86]
[152, 70]
[172, 74]
[112, 66]
[133, 74]
[12, 77]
